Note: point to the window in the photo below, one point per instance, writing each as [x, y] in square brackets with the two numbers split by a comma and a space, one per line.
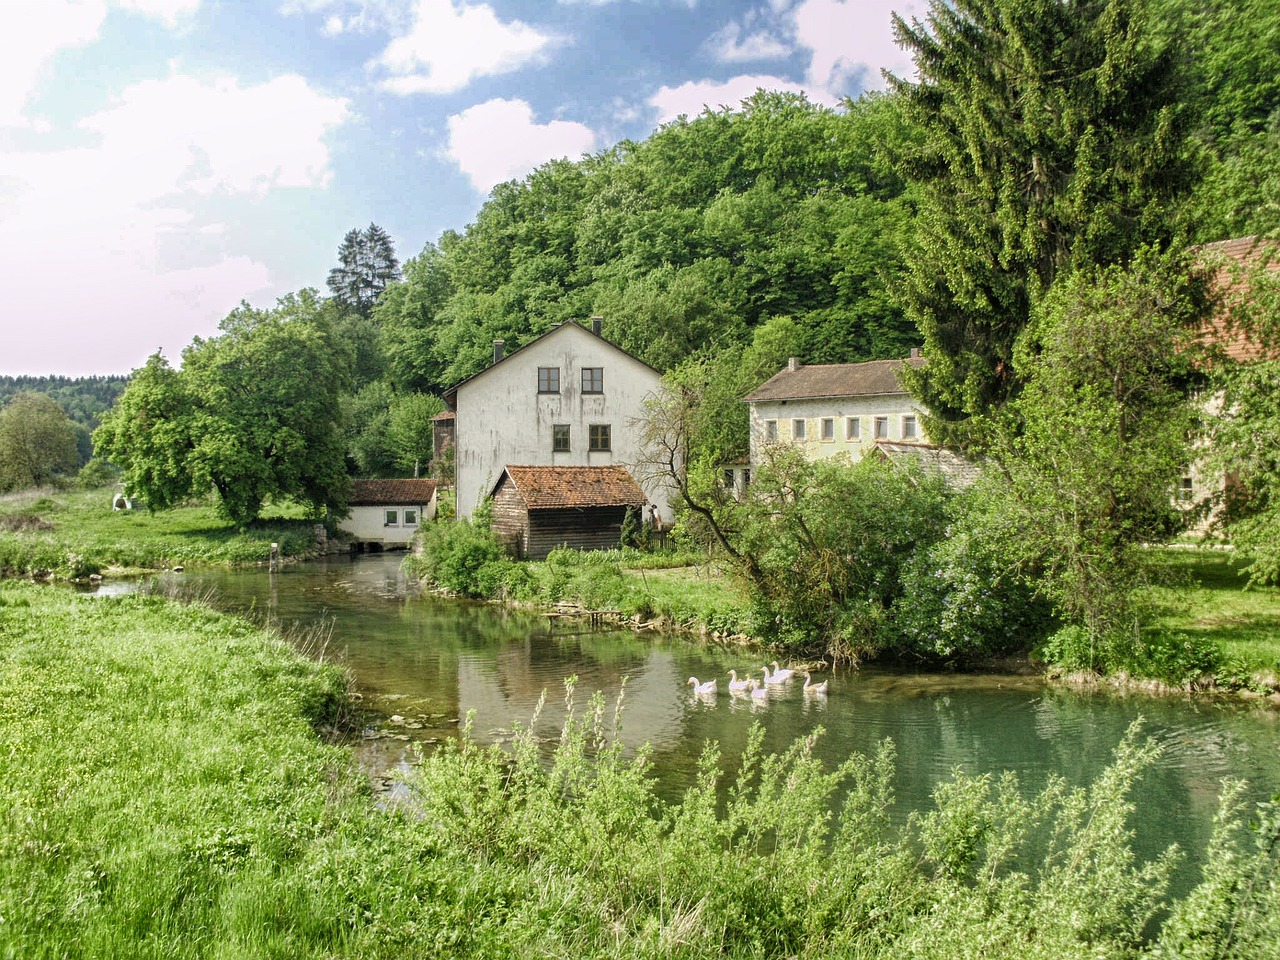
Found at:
[411, 518]
[593, 379]
[882, 428]
[392, 519]
[746, 478]
[852, 428]
[797, 429]
[728, 479]
[548, 379]
[827, 430]
[1186, 489]
[771, 429]
[598, 437]
[910, 428]
[560, 438]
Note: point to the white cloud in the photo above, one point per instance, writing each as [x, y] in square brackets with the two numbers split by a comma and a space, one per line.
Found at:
[498, 140]
[450, 45]
[333, 26]
[852, 40]
[690, 98]
[88, 232]
[729, 45]
[167, 10]
[35, 31]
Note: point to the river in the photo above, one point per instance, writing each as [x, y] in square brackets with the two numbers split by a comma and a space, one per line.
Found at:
[422, 664]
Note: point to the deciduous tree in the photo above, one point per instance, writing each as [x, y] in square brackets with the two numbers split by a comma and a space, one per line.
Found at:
[37, 442]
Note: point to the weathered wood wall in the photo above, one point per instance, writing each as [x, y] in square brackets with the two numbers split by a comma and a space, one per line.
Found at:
[587, 528]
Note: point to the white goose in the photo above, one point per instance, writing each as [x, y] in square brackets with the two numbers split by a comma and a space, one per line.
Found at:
[777, 676]
[758, 692]
[736, 685]
[702, 688]
[814, 689]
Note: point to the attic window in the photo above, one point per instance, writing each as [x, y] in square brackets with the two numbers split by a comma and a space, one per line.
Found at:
[593, 379]
[548, 379]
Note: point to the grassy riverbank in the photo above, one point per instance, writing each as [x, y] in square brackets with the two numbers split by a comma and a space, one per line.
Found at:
[167, 795]
[75, 533]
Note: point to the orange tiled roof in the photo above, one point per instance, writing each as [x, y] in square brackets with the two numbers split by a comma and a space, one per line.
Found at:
[545, 488]
[377, 493]
[822, 380]
[1233, 259]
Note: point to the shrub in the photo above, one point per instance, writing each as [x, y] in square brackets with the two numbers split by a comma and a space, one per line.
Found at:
[452, 556]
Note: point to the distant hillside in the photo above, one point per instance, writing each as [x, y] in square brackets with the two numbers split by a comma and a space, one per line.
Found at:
[85, 399]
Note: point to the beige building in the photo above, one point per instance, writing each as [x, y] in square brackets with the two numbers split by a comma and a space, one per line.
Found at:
[834, 408]
[568, 398]
[387, 513]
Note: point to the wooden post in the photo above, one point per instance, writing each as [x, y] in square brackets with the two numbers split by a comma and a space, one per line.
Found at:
[275, 557]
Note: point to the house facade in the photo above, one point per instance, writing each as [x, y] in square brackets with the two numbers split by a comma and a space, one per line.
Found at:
[568, 398]
[387, 513]
[835, 408]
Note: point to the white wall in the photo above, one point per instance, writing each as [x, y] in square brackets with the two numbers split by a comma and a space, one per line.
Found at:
[894, 406]
[502, 419]
[368, 524]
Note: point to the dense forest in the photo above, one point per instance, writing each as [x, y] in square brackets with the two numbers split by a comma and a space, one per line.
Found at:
[84, 399]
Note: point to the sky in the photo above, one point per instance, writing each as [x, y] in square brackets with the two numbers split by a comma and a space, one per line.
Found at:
[162, 160]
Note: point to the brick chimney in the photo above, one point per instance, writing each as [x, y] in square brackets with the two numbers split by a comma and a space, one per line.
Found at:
[596, 324]
[497, 350]
[793, 364]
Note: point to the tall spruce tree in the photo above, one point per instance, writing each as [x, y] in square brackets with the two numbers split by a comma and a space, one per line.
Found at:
[1052, 139]
[366, 264]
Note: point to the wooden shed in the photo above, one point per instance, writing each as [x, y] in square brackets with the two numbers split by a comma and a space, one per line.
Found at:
[536, 509]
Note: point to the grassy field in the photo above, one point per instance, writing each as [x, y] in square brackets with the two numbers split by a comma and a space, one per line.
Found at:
[1206, 597]
[75, 533]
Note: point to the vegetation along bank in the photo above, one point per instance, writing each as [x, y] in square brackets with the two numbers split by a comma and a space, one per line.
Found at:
[168, 793]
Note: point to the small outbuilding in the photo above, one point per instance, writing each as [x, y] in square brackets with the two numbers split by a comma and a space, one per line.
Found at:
[385, 514]
[536, 509]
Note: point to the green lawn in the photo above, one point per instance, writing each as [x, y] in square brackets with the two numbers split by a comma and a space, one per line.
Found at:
[75, 532]
[1207, 597]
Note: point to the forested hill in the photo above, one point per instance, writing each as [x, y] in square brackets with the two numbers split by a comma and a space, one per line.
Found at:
[691, 238]
[85, 399]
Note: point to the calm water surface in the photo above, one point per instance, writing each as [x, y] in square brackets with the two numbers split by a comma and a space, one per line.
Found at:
[430, 662]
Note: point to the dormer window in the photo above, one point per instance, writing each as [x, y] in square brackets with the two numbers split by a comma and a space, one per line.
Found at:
[593, 379]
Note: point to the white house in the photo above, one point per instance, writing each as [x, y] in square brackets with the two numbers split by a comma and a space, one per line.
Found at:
[566, 398]
[387, 513]
[833, 408]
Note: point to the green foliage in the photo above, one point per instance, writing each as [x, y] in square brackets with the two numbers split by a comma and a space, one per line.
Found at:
[830, 544]
[96, 473]
[456, 556]
[1052, 138]
[253, 414]
[1100, 437]
[366, 265]
[37, 442]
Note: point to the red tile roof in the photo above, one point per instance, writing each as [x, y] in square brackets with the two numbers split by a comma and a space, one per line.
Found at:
[377, 493]
[546, 488]
[822, 380]
[1233, 260]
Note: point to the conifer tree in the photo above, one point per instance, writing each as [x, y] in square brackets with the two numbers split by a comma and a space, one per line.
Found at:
[366, 264]
[1052, 139]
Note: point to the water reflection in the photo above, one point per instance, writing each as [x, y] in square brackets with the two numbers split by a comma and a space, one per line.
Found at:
[429, 663]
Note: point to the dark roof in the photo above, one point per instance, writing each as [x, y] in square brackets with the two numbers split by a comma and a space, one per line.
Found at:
[547, 488]
[1231, 261]
[959, 471]
[376, 493]
[444, 415]
[451, 394]
[822, 380]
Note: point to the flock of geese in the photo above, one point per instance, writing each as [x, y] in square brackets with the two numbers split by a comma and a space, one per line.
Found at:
[759, 689]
